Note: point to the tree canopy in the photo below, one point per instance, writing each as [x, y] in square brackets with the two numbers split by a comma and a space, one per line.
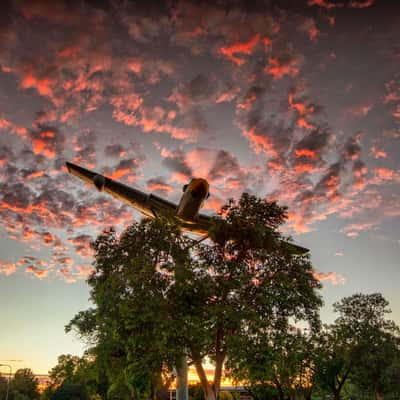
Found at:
[159, 294]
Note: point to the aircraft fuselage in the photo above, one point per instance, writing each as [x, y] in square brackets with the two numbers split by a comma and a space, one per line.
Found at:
[195, 193]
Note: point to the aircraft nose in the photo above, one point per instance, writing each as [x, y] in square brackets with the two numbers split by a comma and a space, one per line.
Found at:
[200, 188]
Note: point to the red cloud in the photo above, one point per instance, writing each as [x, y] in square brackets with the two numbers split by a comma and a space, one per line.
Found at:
[240, 48]
[44, 86]
[302, 110]
[84, 271]
[157, 185]
[38, 272]
[353, 4]
[228, 95]
[378, 153]
[331, 277]
[278, 68]
[47, 142]
[119, 173]
[261, 142]
[323, 3]
[385, 175]
[305, 153]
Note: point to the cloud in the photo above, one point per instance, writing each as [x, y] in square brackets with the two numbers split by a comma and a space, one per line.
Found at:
[7, 268]
[353, 230]
[332, 277]
[285, 64]
[261, 77]
[47, 141]
[376, 152]
[176, 162]
[66, 274]
[158, 185]
[350, 4]
[242, 48]
[38, 272]
[82, 245]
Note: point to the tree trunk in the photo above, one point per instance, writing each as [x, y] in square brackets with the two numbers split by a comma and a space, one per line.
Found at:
[336, 395]
[219, 364]
[209, 393]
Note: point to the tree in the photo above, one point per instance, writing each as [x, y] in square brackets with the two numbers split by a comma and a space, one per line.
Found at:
[280, 367]
[70, 391]
[159, 294]
[24, 384]
[74, 374]
[357, 344]
[3, 386]
[377, 370]
[65, 370]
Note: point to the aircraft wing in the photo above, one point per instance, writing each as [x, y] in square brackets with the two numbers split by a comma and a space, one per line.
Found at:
[200, 226]
[295, 249]
[148, 204]
[203, 224]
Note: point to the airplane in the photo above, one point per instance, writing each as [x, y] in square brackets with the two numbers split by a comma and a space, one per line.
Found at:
[195, 193]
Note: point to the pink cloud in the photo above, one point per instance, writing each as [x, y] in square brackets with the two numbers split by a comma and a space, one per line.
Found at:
[353, 230]
[279, 67]
[240, 48]
[84, 271]
[38, 272]
[332, 277]
[7, 268]
[376, 152]
[67, 275]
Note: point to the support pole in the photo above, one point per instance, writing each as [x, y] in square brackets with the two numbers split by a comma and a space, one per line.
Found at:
[182, 389]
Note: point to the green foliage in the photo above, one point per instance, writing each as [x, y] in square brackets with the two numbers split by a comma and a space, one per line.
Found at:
[74, 374]
[24, 384]
[20, 396]
[361, 346]
[280, 366]
[70, 391]
[158, 292]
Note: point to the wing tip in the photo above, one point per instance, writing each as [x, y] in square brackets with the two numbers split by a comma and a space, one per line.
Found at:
[69, 166]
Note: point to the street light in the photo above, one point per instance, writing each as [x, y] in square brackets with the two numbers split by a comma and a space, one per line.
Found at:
[9, 378]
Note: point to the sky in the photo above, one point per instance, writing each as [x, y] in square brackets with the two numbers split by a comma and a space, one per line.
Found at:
[298, 103]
